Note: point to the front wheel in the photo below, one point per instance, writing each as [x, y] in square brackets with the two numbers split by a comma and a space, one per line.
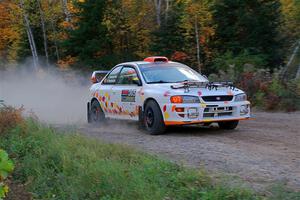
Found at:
[96, 114]
[153, 119]
[229, 125]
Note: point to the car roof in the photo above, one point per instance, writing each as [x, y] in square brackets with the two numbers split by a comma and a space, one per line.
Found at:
[146, 63]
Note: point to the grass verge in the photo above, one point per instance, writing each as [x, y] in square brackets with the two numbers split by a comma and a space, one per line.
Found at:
[58, 166]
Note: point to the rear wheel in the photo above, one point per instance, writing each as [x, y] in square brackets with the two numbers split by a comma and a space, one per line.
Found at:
[229, 125]
[96, 113]
[153, 119]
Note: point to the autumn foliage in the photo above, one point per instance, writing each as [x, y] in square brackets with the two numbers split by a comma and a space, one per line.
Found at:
[10, 117]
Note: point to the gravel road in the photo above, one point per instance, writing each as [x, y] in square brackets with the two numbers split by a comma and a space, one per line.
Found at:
[260, 151]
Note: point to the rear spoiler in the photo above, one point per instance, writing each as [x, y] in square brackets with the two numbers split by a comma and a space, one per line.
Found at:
[97, 76]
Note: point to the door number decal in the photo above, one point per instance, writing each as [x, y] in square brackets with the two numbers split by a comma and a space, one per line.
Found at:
[128, 95]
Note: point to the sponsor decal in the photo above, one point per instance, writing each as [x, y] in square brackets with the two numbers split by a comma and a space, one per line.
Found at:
[167, 93]
[166, 115]
[173, 108]
[202, 105]
[128, 95]
[164, 108]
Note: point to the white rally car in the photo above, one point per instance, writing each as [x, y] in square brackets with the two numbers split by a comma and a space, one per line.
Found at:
[159, 93]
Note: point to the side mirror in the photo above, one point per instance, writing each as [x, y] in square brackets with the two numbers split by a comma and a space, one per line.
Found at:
[94, 80]
[204, 76]
[136, 82]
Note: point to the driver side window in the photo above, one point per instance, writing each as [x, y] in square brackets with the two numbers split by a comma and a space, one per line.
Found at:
[128, 76]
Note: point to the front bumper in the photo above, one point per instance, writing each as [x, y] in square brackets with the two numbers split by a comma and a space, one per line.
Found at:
[205, 112]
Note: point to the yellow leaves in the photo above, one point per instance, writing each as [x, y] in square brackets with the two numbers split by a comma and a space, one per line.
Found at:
[66, 62]
[67, 25]
[291, 15]
[9, 34]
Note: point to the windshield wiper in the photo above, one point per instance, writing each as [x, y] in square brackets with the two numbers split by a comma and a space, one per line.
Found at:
[160, 81]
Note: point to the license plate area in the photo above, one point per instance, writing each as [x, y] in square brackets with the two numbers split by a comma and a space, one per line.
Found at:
[215, 111]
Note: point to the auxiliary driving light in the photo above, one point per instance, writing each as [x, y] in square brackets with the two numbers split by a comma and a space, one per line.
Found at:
[244, 109]
[193, 113]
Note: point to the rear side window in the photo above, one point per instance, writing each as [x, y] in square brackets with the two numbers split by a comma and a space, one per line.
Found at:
[112, 77]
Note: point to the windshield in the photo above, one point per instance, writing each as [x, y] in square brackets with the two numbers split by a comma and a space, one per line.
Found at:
[169, 73]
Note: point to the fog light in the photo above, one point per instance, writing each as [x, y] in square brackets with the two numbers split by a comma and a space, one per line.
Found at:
[244, 109]
[179, 109]
[193, 113]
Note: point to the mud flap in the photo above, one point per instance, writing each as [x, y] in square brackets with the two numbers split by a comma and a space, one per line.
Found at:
[88, 112]
[141, 118]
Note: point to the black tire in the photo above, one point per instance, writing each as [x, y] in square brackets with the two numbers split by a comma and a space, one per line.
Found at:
[229, 125]
[96, 115]
[153, 119]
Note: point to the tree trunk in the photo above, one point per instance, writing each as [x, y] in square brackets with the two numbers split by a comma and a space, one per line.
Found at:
[297, 45]
[197, 45]
[298, 72]
[42, 16]
[55, 41]
[30, 36]
[157, 4]
[167, 10]
[66, 10]
[286, 68]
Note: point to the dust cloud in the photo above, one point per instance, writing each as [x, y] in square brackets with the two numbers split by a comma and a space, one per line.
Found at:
[54, 96]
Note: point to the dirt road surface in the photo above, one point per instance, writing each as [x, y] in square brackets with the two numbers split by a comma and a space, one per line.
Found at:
[261, 152]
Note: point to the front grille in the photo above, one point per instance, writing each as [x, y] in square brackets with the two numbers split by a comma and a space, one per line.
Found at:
[218, 98]
[212, 112]
[212, 109]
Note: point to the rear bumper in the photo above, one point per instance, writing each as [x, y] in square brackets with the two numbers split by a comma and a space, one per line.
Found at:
[206, 113]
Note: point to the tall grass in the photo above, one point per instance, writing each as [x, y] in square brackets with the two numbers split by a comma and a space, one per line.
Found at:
[69, 166]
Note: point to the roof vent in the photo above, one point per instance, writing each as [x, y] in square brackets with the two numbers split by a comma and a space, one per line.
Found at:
[156, 59]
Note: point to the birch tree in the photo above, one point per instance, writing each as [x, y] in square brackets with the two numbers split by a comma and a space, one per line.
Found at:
[29, 35]
[54, 32]
[167, 9]
[197, 44]
[66, 10]
[42, 18]
[199, 29]
[157, 4]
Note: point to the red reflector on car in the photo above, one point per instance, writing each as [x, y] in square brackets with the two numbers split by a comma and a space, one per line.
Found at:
[156, 59]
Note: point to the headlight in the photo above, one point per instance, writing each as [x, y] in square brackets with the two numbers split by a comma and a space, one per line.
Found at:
[184, 99]
[241, 97]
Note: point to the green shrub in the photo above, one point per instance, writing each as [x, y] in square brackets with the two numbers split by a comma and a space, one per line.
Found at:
[239, 63]
[281, 94]
[6, 167]
[265, 90]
